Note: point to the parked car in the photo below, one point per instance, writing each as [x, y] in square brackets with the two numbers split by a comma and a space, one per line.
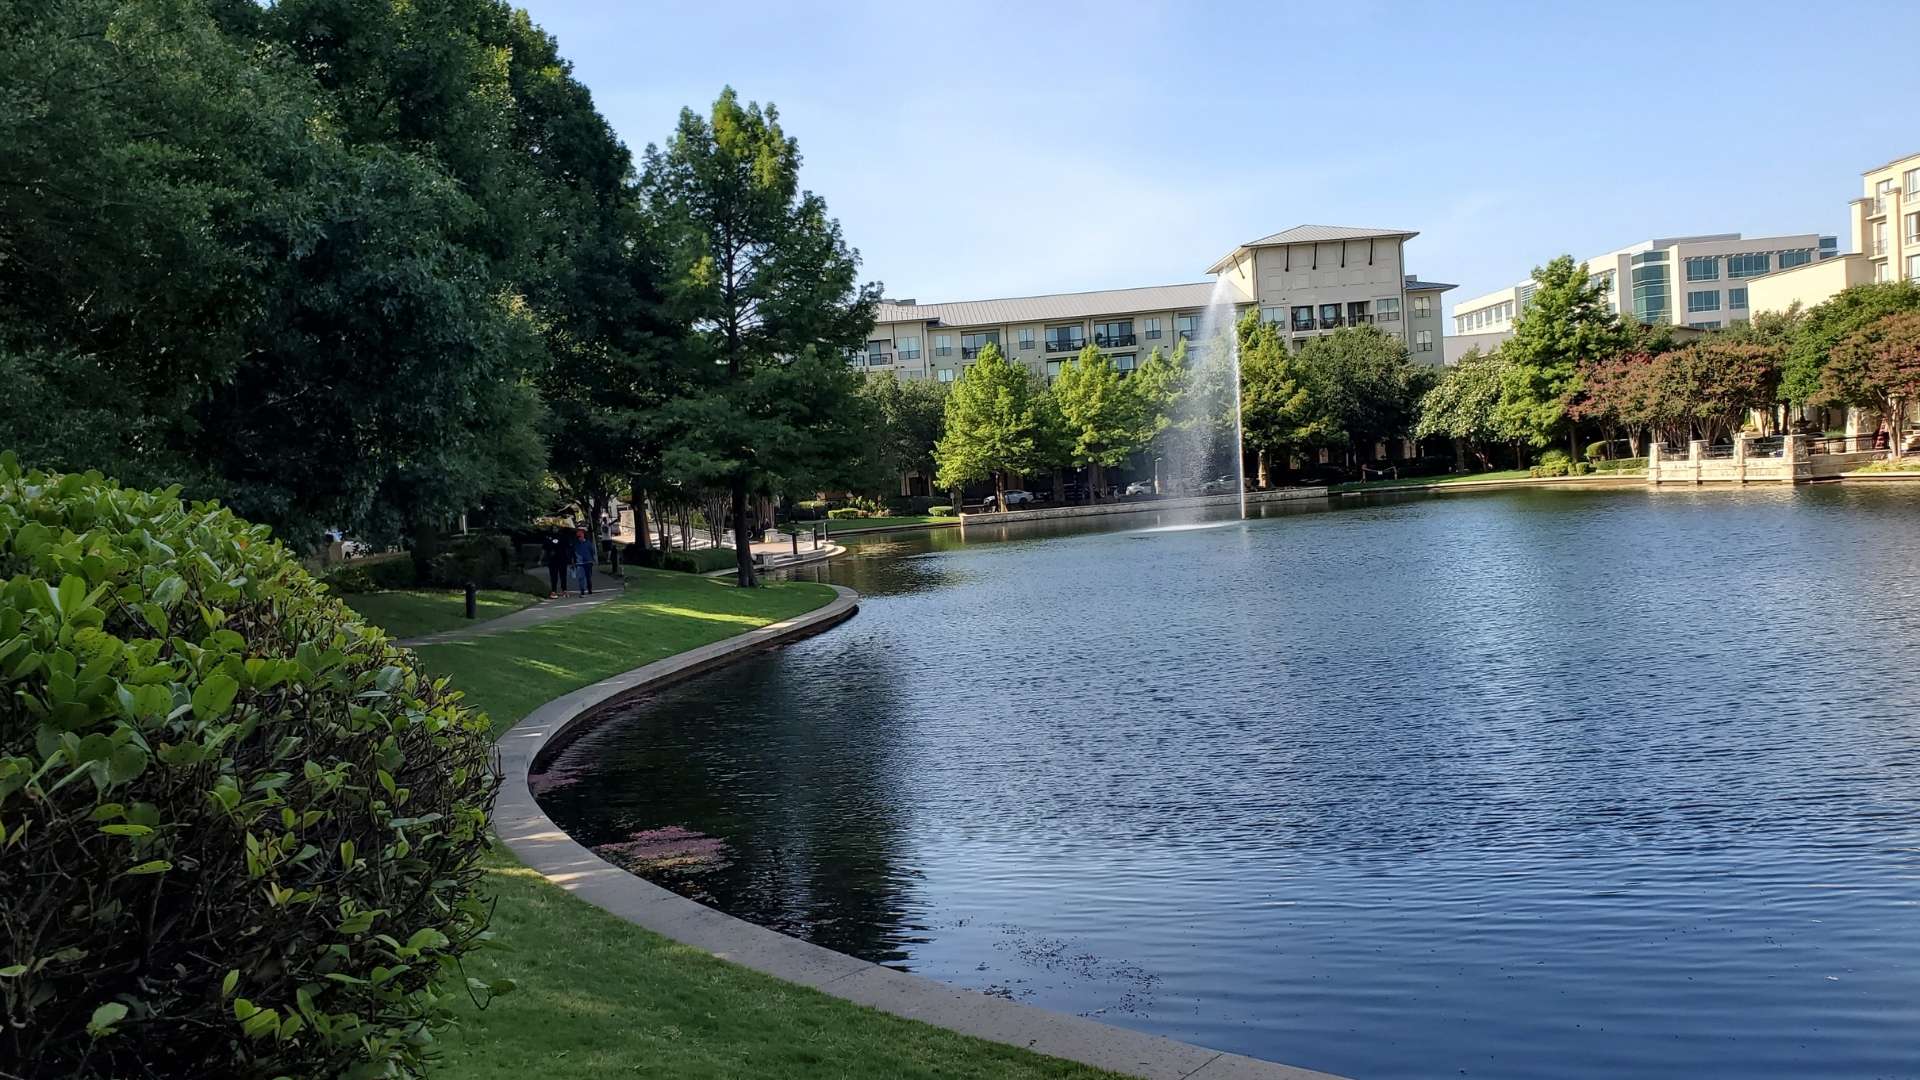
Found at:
[1140, 487]
[1219, 485]
[1014, 498]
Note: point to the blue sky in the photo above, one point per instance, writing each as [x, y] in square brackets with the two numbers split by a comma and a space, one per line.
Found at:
[977, 150]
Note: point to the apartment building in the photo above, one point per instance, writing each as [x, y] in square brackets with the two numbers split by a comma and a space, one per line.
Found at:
[1886, 243]
[1703, 282]
[1311, 280]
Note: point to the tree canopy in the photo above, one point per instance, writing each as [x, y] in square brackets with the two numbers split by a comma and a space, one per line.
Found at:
[1566, 322]
[996, 423]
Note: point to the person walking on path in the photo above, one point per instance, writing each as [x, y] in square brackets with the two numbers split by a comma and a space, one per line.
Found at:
[559, 555]
[584, 556]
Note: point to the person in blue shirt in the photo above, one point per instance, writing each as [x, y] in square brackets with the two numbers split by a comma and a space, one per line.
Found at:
[583, 557]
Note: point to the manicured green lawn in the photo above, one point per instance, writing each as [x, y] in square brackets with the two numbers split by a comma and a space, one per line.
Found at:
[1428, 481]
[857, 524]
[414, 612]
[599, 997]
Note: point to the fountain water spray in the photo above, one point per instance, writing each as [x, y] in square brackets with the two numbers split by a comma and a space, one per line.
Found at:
[1213, 396]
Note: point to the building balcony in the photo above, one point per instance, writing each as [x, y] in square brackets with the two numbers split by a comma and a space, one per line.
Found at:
[1109, 341]
[970, 352]
[1301, 326]
[879, 359]
[1333, 323]
[1059, 345]
[1879, 247]
[1391, 316]
[1356, 320]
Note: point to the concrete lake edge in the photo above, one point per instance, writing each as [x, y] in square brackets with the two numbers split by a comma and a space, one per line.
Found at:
[543, 847]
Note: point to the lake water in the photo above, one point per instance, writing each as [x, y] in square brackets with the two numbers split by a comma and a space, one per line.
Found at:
[1524, 784]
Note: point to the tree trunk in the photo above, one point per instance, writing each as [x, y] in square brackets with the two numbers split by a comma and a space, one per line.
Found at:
[742, 540]
[638, 497]
[1260, 456]
[1896, 411]
[1000, 490]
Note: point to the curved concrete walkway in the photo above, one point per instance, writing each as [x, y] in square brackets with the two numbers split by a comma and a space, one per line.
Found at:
[540, 844]
[605, 588]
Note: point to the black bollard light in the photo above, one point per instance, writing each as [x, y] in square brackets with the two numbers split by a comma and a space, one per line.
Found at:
[795, 536]
[473, 601]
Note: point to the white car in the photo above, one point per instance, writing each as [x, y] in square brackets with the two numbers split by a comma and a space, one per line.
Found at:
[1219, 485]
[1014, 498]
[1140, 487]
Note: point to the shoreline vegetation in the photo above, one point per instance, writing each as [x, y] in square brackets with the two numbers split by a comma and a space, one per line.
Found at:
[597, 996]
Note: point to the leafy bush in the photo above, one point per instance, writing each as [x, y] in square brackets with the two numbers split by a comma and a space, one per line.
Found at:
[1555, 457]
[238, 828]
[1597, 451]
[373, 575]
[1621, 465]
[846, 513]
[940, 511]
[694, 561]
[1579, 468]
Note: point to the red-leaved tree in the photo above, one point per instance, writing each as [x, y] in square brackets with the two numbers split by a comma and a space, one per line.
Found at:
[1878, 367]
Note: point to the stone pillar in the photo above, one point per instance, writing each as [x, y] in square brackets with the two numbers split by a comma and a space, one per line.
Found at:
[1696, 449]
[1740, 458]
[1653, 462]
[1793, 455]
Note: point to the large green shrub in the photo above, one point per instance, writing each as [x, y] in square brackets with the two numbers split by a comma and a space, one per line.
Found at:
[846, 513]
[238, 828]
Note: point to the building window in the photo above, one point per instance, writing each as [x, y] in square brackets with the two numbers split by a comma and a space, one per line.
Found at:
[1387, 309]
[1271, 315]
[1329, 316]
[1357, 313]
[971, 344]
[1714, 325]
[1303, 318]
[1913, 228]
[946, 374]
[1026, 338]
[1152, 329]
[1913, 268]
[1910, 181]
[1704, 300]
[1652, 290]
[1108, 334]
[1053, 369]
[943, 344]
[879, 353]
[1704, 269]
[1066, 339]
[1797, 257]
[1737, 299]
[1880, 271]
[1123, 363]
[1422, 307]
[1752, 264]
[1186, 327]
[1423, 341]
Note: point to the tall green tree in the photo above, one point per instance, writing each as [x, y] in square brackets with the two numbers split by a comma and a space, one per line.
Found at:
[1371, 387]
[1878, 367]
[1158, 382]
[1566, 323]
[1281, 411]
[1825, 325]
[1464, 404]
[903, 421]
[1101, 415]
[996, 422]
[763, 275]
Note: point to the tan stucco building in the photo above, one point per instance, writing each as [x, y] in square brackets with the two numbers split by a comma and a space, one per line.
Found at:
[1310, 280]
[1886, 243]
[1704, 282]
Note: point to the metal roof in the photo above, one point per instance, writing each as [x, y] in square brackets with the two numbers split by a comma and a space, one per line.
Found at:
[1416, 285]
[1312, 234]
[1035, 309]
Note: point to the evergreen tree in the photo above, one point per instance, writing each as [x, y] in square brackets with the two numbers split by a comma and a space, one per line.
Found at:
[1280, 412]
[996, 423]
[1101, 416]
[761, 272]
[1566, 323]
